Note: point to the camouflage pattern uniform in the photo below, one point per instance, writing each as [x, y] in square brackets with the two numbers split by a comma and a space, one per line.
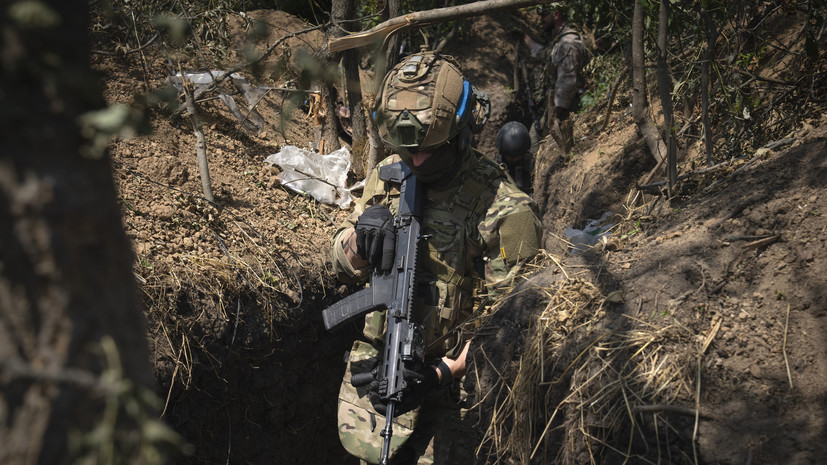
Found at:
[481, 228]
[557, 77]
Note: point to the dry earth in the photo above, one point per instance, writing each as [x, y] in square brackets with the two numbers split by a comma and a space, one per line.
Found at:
[725, 283]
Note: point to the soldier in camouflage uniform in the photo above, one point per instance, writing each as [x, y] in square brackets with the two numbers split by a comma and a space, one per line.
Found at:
[558, 78]
[480, 228]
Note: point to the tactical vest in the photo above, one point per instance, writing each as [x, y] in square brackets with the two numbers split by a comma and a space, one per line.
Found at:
[451, 264]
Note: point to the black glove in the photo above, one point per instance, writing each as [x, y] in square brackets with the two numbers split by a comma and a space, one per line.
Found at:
[418, 383]
[376, 238]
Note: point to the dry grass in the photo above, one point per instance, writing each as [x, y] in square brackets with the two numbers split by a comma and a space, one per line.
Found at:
[582, 384]
[196, 303]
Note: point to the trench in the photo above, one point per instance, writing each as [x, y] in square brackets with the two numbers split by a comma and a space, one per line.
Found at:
[251, 391]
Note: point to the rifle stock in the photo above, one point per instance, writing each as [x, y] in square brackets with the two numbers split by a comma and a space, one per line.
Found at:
[404, 341]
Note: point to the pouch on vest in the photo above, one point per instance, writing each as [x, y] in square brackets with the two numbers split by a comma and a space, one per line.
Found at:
[359, 424]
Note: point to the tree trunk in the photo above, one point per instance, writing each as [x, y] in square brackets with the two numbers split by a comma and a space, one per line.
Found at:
[386, 60]
[200, 147]
[640, 102]
[391, 54]
[711, 37]
[353, 87]
[329, 129]
[665, 89]
[67, 290]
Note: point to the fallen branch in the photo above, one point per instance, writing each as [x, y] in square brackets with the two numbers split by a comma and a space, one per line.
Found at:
[382, 31]
[761, 242]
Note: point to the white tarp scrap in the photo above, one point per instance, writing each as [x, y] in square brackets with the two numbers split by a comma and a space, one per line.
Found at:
[251, 119]
[323, 177]
[582, 239]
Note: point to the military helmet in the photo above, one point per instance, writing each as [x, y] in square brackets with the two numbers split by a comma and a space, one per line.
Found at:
[425, 102]
[513, 139]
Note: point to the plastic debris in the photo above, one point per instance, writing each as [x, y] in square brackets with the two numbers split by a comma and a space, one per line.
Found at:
[583, 239]
[322, 177]
[250, 117]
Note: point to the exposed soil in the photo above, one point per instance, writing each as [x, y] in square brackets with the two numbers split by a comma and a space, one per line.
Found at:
[726, 281]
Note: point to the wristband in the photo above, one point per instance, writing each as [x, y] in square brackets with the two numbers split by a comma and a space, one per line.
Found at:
[445, 372]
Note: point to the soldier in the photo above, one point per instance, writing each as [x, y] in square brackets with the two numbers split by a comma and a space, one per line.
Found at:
[558, 77]
[480, 228]
[513, 144]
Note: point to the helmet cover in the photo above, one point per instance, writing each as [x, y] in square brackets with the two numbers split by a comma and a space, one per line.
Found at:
[513, 140]
[425, 102]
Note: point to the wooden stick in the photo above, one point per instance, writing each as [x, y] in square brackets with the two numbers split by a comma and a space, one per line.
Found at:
[761, 242]
[382, 31]
[784, 347]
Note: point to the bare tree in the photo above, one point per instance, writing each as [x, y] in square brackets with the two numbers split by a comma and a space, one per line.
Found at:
[73, 347]
[640, 101]
[665, 89]
[709, 52]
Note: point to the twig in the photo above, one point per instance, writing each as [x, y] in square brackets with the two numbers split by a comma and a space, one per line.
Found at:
[143, 57]
[734, 173]
[693, 173]
[761, 242]
[677, 409]
[711, 335]
[697, 411]
[784, 347]
[748, 237]
[611, 101]
[134, 50]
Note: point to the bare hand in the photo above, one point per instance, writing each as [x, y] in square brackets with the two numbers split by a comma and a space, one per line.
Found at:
[457, 367]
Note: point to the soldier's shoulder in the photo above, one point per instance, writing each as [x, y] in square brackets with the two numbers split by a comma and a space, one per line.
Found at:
[390, 159]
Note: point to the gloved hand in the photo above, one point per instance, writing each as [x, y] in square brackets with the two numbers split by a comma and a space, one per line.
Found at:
[376, 238]
[418, 383]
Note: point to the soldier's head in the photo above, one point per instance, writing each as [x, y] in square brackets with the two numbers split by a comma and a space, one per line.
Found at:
[427, 112]
[513, 141]
[553, 18]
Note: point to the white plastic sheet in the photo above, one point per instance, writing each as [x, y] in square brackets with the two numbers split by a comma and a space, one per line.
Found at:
[582, 239]
[323, 177]
[250, 118]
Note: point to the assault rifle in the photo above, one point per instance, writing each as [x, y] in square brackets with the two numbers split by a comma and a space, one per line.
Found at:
[404, 340]
[532, 105]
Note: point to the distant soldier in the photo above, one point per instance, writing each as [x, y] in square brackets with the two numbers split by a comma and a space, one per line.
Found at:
[513, 144]
[558, 80]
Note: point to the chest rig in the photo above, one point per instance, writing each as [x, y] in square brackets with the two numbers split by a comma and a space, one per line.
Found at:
[451, 256]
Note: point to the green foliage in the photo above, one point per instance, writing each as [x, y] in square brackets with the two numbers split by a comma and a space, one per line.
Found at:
[603, 70]
[128, 430]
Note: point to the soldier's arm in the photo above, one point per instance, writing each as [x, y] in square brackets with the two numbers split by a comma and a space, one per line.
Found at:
[347, 265]
[511, 232]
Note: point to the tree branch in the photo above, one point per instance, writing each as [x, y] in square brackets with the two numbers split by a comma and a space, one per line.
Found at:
[382, 31]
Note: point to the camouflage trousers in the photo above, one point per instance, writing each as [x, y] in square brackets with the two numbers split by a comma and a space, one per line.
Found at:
[442, 435]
